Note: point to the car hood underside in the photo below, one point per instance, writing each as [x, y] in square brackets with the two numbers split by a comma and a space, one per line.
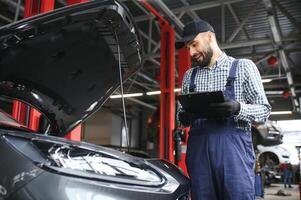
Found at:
[66, 63]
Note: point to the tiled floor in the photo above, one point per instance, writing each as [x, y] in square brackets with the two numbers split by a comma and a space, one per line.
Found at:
[274, 188]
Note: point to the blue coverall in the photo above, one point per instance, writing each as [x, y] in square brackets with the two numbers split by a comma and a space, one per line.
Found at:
[220, 157]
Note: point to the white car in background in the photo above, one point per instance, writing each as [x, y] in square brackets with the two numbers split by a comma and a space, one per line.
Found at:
[277, 154]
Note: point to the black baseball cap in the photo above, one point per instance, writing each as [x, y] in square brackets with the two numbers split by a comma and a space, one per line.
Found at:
[191, 30]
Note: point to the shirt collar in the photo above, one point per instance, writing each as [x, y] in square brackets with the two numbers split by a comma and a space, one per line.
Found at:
[222, 58]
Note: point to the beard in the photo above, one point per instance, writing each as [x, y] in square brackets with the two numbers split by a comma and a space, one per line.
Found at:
[206, 58]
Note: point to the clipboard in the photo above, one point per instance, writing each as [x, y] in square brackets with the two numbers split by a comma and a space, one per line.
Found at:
[199, 102]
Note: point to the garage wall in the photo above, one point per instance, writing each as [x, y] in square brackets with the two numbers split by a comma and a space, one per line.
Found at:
[133, 126]
[98, 128]
[104, 128]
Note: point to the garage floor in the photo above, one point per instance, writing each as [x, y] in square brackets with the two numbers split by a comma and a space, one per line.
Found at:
[270, 191]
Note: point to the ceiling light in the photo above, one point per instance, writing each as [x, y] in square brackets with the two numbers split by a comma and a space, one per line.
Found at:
[273, 92]
[126, 95]
[177, 90]
[266, 80]
[153, 92]
[286, 112]
[159, 92]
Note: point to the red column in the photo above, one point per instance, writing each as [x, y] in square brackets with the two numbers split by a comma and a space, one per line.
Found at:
[75, 134]
[19, 111]
[46, 6]
[167, 96]
[34, 121]
[34, 7]
[167, 85]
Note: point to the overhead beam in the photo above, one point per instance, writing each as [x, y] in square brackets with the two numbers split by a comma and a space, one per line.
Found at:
[223, 27]
[147, 78]
[236, 31]
[181, 14]
[142, 8]
[159, 30]
[154, 61]
[241, 44]
[191, 13]
[193, 7]
[17, 10]
[263, 58]
[293, 64]
[150, 32]
[279, 86]
[249, 43]
[14, 5]
[142, 103]
[6, 19]
[288, 15]
[174, 19]
[237, 20]
[147, 37]
[141, 84]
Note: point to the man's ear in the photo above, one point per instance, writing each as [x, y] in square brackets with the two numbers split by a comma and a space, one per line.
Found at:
[210, 36]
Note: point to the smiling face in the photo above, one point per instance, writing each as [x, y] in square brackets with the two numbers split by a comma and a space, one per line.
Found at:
[200, 49]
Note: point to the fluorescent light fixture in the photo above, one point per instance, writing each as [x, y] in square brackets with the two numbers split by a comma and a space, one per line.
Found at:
[159, 92]
[286, 112]
[273, 92]
[126, 95]
[266, 80]
[153, 92]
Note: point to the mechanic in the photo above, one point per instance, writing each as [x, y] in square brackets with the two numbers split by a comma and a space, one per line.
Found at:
[220, 156]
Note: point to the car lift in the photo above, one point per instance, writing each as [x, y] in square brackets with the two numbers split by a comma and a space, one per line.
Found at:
[167, 86]
[20, 111]
[167, 95]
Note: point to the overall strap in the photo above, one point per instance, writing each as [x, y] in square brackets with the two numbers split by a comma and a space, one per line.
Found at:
[230, 80]
[192, 85]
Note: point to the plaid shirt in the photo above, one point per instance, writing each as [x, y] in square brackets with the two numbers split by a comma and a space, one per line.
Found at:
[249, 91]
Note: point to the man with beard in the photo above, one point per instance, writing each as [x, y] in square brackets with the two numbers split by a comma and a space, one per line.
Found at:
[220, 156]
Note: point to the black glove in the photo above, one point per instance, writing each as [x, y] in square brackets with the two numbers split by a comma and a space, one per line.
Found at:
[223, 110]
[186, 118]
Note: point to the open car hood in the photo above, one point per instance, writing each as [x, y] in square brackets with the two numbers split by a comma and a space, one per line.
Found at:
[65, 62]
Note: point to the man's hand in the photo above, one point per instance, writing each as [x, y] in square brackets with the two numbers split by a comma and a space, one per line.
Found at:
[225, 109]
[186, 118]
